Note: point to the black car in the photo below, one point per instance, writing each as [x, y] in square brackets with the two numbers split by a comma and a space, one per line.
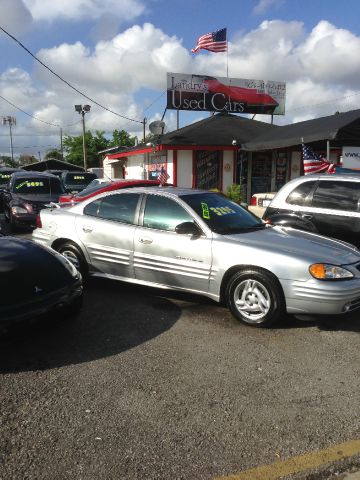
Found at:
[5, 174]
[328, 204]
[76, 181]
[26, 194]
[35, 280]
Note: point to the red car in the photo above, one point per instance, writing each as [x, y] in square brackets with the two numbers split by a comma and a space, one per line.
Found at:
[93, 190]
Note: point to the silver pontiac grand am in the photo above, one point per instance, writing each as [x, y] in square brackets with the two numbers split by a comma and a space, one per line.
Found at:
[201, 242]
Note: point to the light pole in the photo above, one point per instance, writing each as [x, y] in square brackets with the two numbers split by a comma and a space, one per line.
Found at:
[10, 121]
[82, 109]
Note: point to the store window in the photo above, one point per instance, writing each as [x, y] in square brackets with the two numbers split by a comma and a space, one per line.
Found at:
[208, 170]
[242, 173]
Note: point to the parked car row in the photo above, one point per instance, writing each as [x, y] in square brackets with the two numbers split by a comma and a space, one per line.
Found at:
[191, 240]
[201, 242]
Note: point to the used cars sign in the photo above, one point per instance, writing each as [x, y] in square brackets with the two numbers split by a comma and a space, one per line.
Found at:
[221, 94]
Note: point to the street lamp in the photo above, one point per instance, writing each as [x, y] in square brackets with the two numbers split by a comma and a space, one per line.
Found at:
[10, 121]
[82, 109]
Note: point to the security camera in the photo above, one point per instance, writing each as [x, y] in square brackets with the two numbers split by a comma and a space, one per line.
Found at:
[234, 142]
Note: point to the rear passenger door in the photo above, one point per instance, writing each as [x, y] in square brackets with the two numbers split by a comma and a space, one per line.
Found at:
[335, 209]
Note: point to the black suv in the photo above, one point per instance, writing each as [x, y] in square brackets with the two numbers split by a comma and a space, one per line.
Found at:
[26, 194]
[76, 181]
[5, 174]
[328, 204]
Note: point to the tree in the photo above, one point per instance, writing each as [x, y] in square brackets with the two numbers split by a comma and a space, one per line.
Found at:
[7, 161]
[53, 153]
[121, 138]
[73, 147]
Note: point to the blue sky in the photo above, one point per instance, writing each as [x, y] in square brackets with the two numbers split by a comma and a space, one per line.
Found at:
[118, 52]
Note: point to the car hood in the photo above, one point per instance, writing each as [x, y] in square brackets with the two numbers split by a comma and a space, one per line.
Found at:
[37, 199]
[300, 244]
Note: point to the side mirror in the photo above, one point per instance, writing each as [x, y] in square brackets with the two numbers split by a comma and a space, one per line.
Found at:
[188, 228]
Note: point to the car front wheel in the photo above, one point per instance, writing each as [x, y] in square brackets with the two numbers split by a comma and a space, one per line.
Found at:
[255, 297]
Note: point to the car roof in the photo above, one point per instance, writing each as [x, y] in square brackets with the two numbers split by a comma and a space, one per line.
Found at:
[31, 173]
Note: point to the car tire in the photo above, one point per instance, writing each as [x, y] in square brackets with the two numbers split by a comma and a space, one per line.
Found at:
[75, 256]
[255, 297]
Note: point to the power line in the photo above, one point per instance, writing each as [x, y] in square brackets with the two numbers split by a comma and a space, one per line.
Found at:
[65, 81]
[35, 118]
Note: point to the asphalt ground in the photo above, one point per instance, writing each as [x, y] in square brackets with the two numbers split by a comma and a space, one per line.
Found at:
[147, 384]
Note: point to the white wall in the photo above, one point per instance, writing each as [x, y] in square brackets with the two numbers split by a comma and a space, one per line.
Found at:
[228, 170]
[295, 165]
[184, 168]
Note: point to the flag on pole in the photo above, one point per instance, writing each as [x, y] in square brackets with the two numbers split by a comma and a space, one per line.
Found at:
[314, 163]
[163, 176]
[214, 42]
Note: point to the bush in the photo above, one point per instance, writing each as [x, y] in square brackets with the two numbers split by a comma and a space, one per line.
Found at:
[233, 193]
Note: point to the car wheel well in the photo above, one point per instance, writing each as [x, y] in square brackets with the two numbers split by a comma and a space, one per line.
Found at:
[65, 242]
[239, 268]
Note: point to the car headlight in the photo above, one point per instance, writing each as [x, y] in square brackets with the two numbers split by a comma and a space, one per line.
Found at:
[68, 265]
[20, 209]
[326, 271]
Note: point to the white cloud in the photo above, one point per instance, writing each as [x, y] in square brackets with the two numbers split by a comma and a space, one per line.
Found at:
[84, 9]
[265, 5]
[15, 16]
[128, 72]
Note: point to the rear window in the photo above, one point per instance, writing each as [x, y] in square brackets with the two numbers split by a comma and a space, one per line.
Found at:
[5, 177]
[79, 178]
[37, 185]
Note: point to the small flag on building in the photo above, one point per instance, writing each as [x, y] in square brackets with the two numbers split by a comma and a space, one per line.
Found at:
[214, 42]
[314, 163]
[163, 176]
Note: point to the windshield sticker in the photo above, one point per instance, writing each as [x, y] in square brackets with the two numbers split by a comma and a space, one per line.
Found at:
[205, 211]
[222, 210]
[78, 177]
[29, 184]
[3, 175]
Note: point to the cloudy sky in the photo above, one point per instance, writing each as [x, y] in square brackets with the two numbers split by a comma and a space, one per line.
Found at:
[117, 53]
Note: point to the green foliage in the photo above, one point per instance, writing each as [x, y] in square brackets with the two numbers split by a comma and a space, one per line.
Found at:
[7, 161]
[73, 147]
[233, 192]
[53, 153]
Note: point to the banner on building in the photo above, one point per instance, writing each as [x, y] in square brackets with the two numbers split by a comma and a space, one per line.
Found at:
[221, 94]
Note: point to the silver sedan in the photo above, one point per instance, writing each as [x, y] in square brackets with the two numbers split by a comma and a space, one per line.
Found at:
[201, 242]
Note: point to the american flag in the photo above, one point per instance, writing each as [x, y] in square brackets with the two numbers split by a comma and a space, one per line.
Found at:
[163, 176]
[214, 42]
[314, 163]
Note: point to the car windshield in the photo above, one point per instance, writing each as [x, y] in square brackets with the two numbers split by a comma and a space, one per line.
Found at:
[37, 186]
[221, 214]
[92, 188]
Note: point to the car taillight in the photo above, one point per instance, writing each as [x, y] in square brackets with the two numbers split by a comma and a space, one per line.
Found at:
[253, 201]
[38, 221]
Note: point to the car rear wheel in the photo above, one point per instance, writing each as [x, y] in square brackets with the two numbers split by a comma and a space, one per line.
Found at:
[255, 297]
[75, 256]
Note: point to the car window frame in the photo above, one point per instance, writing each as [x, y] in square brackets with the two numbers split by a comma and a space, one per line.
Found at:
[318, 207]
[114, 194]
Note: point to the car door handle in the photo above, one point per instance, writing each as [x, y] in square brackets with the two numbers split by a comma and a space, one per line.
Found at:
[308, 216]
[87, 229]
[145, 240]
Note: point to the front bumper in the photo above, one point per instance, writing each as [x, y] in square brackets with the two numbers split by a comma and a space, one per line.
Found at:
[322, 297]
[45, 304]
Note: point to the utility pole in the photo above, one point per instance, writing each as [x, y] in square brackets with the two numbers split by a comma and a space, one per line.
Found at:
[82, 109]
[10, 121]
